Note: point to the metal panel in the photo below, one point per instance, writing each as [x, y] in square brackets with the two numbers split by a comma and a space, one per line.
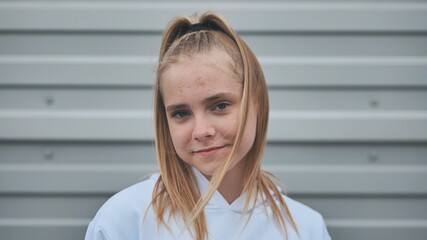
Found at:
[287, 99]
[39, 46]
[309, 179]
[284, 126]
[280, 72]
[81, 98]
[288, 16]
[67, 229]
[56, 152]
[44, 152]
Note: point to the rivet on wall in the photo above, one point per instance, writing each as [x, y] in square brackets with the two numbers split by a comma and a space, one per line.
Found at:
[48, 154]
[49, 100]
[373, 156]
[374, 103]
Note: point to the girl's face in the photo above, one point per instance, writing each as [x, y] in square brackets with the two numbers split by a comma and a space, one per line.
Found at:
[202, 97]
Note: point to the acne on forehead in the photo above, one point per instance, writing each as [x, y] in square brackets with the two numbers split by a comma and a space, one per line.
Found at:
[216, 58]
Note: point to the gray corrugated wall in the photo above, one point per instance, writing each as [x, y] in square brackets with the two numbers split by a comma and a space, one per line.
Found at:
[348, 89]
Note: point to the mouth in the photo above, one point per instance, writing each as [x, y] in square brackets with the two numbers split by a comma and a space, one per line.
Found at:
[209, 152]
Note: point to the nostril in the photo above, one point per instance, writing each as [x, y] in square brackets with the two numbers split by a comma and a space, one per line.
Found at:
[205, 133]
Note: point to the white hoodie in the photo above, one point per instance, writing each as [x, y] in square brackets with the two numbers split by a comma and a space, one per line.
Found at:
[122, 218]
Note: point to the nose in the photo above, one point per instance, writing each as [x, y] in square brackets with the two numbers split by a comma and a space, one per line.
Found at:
[203, 128]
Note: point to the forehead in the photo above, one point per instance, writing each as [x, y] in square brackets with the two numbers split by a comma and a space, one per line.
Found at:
[202, 67]
[199, 77]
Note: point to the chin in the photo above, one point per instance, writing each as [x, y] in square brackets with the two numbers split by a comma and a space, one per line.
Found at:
[207, 172]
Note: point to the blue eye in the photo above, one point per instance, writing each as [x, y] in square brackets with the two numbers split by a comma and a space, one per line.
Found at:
[180, 114]
[222, 106]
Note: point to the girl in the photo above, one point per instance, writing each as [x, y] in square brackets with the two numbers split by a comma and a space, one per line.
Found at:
[211, 113]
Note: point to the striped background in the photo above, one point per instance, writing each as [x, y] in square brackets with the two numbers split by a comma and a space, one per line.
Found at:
[348, 90]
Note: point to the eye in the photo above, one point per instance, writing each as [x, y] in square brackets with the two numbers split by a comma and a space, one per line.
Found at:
[180, 114]
[221, 106]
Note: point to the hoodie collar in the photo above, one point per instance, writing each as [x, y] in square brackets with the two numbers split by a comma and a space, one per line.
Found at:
[218, 202]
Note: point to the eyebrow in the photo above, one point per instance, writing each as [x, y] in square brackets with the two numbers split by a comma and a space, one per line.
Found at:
[219, 96]
[174, 107]
[213, 98]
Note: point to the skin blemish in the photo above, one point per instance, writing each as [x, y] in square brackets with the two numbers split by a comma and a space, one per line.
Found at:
[200, 81]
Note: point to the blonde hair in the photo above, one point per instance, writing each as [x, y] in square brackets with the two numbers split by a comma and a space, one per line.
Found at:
[176, 191]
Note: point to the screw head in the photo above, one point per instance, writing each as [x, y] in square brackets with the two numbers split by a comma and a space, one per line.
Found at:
[373, 156]
[49, 100]
[48, 154]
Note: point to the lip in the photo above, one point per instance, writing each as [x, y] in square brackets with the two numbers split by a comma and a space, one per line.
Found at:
[209, 152]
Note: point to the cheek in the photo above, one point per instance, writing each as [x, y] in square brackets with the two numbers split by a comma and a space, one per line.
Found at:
[180, 138]
[228, 127]
[250, 132]
[175, 135]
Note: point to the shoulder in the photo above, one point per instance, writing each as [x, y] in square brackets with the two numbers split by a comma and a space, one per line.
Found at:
[120, 215]
[301, 211]
[136, 194]
[310, 223]
[131, 197]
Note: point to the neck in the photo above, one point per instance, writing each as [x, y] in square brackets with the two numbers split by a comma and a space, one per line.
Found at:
[232, 184]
